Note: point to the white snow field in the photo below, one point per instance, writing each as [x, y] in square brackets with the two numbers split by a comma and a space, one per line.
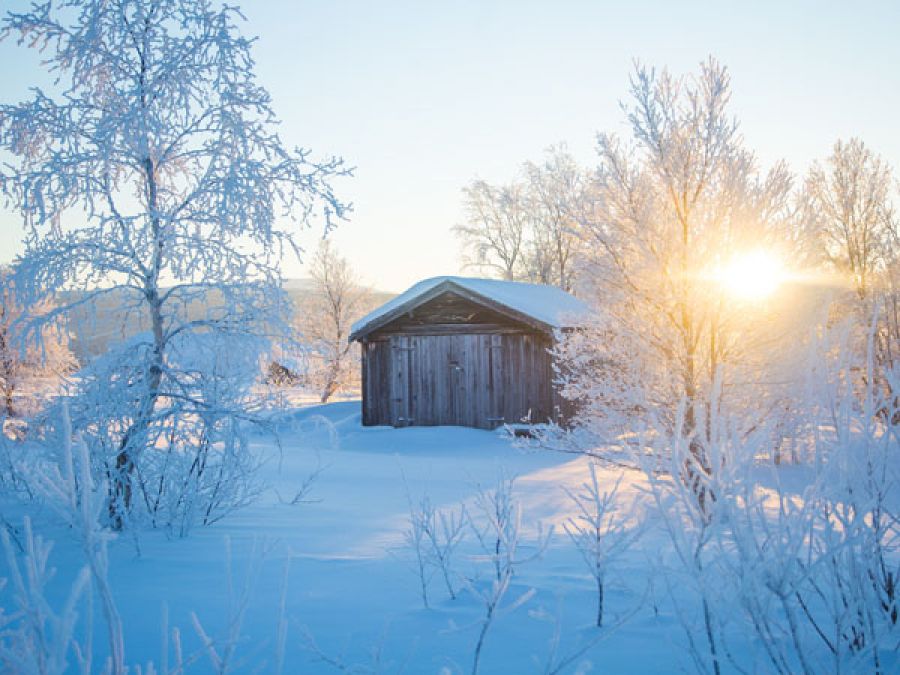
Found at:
[353, 601]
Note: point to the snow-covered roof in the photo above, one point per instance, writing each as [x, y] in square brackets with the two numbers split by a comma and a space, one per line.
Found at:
[547, 305]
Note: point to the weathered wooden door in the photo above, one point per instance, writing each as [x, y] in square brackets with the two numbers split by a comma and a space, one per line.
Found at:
[495, 386]
[441, 380]
[425, 381]
[474, 380]
[400, 390]
[436, 376]
[471, 391]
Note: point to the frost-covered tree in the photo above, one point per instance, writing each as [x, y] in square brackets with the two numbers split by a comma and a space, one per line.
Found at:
[668, 207]
[599, 531]
[526, 230]
[495, 233]
[557, 191]
[337, 300]
[22, 359]
[156, 171]
[847, 209]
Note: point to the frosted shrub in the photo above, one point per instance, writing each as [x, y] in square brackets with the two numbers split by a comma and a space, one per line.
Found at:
[497, 522]
[813, 566]
[197, 465]
[13, 455]
[434, 535]
[692, 526]
[39, 638]
[815, 571]
[859, 514]
[417, 541]
[35, 639]
[199, 483]
[599, 531]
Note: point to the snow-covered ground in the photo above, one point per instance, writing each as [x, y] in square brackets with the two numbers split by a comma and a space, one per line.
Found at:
[352, 584]
[352, 598]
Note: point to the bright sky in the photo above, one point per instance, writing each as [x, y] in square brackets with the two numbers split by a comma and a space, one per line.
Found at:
[422, 97]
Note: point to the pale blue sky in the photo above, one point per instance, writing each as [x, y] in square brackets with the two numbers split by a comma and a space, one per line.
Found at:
[424, 96]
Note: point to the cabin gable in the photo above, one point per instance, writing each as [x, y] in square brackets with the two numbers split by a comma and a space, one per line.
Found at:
[450, 313]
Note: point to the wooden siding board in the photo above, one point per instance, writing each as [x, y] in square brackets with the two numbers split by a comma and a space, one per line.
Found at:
[364, 365]
[376, 382]
[495, 387]
[466, 390]
[476, 382]
[482, 390]
[440, 360]
[399, 389]
[420, 381]
[457, 361]
[515, 370]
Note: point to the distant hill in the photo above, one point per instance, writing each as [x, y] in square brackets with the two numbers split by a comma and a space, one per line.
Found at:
[95, 327]
[302, 285]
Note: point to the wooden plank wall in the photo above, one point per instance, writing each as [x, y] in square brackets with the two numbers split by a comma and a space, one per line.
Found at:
[376, 381]
[479, 380]
[525, 383]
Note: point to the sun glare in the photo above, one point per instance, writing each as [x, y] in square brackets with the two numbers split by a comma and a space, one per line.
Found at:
[754, 275]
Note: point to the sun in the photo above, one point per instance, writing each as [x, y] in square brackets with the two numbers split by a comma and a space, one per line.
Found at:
[754, 275]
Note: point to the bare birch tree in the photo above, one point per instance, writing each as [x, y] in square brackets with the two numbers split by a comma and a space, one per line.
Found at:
[498, 219]
[338, 299]
[556, 189]
[526, 230]
[847, 206]
[848, 212]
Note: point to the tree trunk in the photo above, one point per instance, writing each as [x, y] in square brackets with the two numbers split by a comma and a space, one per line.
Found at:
[135, 438]
[8, 402]
[599, 603]
[328, 391]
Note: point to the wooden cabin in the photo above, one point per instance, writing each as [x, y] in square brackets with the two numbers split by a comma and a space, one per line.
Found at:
[465, 352]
